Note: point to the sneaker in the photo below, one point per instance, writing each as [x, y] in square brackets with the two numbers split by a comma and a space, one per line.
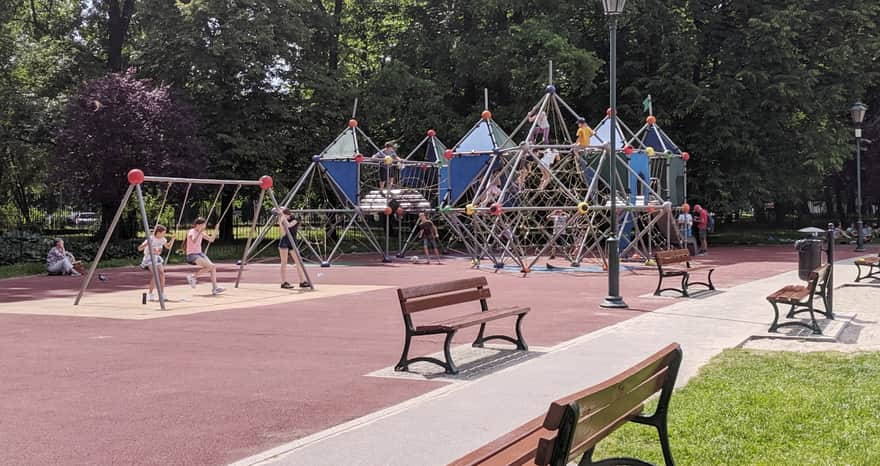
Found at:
[286, 286]
[152, 298]
[305, 285]
[74, 273]
[218, 290]
[191, 279]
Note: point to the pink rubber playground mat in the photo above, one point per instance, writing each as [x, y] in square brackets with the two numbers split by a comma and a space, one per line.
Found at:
[259, 367]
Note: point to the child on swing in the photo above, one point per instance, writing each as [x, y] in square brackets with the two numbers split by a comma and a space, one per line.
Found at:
[289, 226]
[195, 256]
[157, 242]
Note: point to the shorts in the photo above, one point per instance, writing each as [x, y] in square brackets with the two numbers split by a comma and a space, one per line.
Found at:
[146, 262]
[383, 172]
[429, 241]
[191, 258]
[701, 233]
[284, 243]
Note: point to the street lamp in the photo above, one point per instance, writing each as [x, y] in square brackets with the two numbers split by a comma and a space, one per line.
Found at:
[858, 116]
[613, 9]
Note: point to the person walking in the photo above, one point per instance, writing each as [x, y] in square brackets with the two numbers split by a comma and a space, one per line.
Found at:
[428, 234]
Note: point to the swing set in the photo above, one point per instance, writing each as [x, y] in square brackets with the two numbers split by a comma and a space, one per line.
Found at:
[136, 178]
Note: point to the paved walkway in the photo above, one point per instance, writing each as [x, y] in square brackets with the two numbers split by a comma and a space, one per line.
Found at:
[448, 422]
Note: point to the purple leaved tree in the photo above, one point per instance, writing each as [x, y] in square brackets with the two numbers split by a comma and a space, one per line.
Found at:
[116, 123]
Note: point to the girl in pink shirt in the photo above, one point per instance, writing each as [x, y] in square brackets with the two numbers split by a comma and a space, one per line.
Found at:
[195, 256]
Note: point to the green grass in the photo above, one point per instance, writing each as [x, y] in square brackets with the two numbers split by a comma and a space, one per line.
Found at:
[760, 408]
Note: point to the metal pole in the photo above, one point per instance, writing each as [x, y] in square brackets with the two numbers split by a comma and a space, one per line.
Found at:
[829, 290]
[250, 237]
[860, 242]
[149, 235]
[613, 300]
[107, 236]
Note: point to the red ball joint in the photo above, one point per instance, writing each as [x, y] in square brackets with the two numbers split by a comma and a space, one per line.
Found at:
[388, 211]
[628, 150]
[448, 154]
[265, 182]
[352, 123]
[487, 115]
[608, 112]
[400, 211]
[495, 209]
[685, 156]
[135, 176]
[431, 133]
[358, 158]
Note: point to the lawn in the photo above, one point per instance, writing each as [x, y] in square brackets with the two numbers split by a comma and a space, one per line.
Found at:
[768, 408]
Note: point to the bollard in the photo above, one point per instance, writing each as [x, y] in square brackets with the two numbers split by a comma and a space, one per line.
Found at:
[829, 291]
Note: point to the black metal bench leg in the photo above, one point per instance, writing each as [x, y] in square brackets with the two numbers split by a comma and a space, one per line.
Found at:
[663, 432]
[859, 274]
[403, 364]
[478, 343]
[816, 329]
[521, 341]
[659, 285]
[775, 323]
[447, 352]
[711, 285]
[684, 285]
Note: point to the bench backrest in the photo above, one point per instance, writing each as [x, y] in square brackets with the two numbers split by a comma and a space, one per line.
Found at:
[577, 422]
[425, 297]
[672, 256]
[599, 410]
[819, 275]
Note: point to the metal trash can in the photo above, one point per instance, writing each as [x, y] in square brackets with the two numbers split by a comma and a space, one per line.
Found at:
[809, 256]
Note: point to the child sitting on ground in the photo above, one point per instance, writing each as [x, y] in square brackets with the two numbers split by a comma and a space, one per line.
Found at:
[195, 256]
[156, 243]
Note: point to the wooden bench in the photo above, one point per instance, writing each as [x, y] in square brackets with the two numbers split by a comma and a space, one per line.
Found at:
[438, 295]
[575, 424]
[680, 263]
[801, 299]
[871, 263]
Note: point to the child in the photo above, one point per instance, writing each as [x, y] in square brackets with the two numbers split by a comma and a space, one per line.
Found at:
[492, 191]
[559, 218]
[156, 243]
[428, 234]
[385, 175]
[289, 224]
[584, 133]
[541, 125]
[546, 161]
[195, 256]
[685, 222]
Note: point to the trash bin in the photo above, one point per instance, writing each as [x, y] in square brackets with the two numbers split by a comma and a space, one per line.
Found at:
[809, 256]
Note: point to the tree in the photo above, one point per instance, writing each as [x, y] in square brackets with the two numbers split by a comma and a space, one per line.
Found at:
[119, 122]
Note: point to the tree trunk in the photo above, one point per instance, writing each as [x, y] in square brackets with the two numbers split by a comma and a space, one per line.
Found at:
[118, 21]
[333, 59]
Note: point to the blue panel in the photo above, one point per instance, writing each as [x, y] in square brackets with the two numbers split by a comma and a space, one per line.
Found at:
[641, 165]
[345, 174]
[478, 140]
[417, 177]
[443, 183]
[464, 171]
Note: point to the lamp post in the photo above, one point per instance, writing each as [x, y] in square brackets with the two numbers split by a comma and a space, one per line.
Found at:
[613, 9]
[858, 116]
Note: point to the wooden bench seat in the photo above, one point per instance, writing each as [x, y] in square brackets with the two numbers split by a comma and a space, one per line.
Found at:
[575, 424]
[801, 298]
[438, 295]
[677, 263]
[870, 263]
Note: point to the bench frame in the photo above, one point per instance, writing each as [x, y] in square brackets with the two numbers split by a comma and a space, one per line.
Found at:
[817, 286]
[453, 292]
[871, 263]
[685, 274]
[575, 424]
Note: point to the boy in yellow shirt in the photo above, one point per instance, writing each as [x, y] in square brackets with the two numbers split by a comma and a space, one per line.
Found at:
[584, 133]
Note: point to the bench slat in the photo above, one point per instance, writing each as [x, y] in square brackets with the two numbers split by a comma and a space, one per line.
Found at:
[468, 320]
[438, 288]
[517, 447]
[423, 304]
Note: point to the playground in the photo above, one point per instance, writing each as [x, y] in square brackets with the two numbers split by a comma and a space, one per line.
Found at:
[215, 379]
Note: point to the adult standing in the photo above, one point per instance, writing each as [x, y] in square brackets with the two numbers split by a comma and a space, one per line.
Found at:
[702, 221]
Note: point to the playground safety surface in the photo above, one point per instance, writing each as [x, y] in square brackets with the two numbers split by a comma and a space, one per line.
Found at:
[212, 387]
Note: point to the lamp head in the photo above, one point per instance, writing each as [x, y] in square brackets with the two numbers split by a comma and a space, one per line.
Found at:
[613, 7]
[857, 111]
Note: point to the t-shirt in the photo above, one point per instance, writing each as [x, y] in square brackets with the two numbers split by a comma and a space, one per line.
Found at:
[382, 153]
[194, 241]
[541, 120]
[55, 256]
[428, 229]
[583, 136]
[685, 224]
[549, 157]
[703, 220]
[558, 222]
[156, 244]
